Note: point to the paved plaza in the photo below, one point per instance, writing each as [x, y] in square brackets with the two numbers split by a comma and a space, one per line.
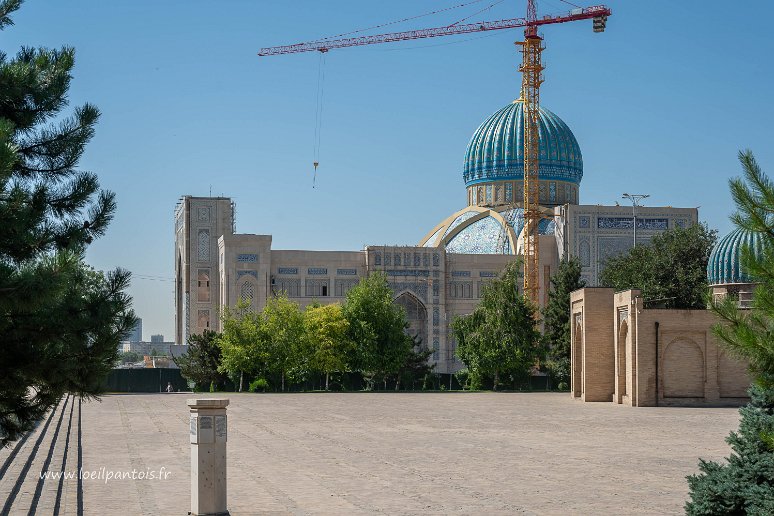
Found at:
[359, 453]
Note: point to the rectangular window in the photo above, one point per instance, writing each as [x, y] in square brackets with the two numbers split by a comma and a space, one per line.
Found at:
[291, 287]
[203, 285]
[317, 287]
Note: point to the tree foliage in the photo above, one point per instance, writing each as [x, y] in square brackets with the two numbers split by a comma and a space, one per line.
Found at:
[326, 335]
[243, 343]
[61, 321]
[556, 315]
[376, 328]
[500, 337]
[671, 269]
[200, 363]
[283, 325]
[745, 485]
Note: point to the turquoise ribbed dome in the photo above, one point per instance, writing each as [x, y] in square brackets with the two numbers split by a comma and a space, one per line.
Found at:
[724, 262]
[496, 151]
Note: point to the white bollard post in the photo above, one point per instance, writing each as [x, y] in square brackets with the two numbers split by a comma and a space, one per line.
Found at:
[208, 456]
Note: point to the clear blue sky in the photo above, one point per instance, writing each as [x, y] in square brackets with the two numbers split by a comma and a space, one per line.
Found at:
[660, 104]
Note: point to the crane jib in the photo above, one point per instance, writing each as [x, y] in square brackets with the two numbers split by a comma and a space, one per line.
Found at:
[597, 11]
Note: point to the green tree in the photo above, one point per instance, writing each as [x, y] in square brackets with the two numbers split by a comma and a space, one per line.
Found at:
[556, 314]
[671, 269]
[745, 485]
[283, 325]
[129, 356]
[376, 328]
[243, 342]
[326, 334]
[200, 363]
[500, 337]
[60, 321]
[416, 365]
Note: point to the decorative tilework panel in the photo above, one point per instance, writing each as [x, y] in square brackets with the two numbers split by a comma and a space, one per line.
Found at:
[462, 217]
[288, 270]
[397, 259]
[346, 272]
[204, 214]
[480, 237]
[584, 253]
[681, 223]
[552, 191]
[387, 258]
[610, 247]
[436, 289]
[584, 222]
[436, 274]
[508, 192]
[436, 349]
[418, 289]
[377, 258]
[436, 260]
[626, 223]
[249, 258]
[487, 274]
[254, 274]
[436, 316]
[246, 291]
[460, 274]
[317, 271]
[431, 241]
[203, 243]
[417, 260]
[407, 259]
[425, 260]
[408, 272]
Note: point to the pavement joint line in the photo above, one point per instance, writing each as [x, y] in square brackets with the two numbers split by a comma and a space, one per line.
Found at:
[60, 485]
[47, 462]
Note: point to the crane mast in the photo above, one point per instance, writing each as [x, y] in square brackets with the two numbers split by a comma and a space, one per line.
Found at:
[532, 77]
[531, 69]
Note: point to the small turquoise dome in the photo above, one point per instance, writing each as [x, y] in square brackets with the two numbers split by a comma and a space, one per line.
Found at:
[724, 265]
[496, 150]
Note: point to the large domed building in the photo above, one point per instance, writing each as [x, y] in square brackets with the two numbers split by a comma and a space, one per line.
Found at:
[725, 273]
[443, 275]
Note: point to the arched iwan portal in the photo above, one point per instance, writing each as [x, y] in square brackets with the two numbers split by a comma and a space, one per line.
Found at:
[683, 366]
[416, 314]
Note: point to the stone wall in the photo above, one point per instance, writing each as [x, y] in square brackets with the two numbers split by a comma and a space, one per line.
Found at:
[649, 357]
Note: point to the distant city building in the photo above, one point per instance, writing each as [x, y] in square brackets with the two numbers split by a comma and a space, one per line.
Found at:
[157, 338]
[136, 334]
[147, 348]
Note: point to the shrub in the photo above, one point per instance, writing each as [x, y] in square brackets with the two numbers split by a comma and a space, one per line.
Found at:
[259, 384]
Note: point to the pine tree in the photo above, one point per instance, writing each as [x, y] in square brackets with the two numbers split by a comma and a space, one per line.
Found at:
[745, 485]
[61, 320]
[556, 315]
[202, 361]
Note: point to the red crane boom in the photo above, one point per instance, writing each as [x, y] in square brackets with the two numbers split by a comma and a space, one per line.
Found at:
[323, 45]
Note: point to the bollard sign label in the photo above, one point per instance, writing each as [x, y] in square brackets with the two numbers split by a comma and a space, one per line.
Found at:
[220, 428]
[193, 431]
[206, 431]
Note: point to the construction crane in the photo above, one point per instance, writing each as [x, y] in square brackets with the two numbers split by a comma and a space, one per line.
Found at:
[531, 69]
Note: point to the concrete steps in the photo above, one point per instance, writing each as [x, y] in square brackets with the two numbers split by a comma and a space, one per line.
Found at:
[54, 446]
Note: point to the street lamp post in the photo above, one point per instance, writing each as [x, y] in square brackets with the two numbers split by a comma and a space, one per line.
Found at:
[635, 198]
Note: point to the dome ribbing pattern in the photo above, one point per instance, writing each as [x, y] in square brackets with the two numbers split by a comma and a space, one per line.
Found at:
[724, 265]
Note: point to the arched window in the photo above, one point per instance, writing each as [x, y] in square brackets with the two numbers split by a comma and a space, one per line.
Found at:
[203, 285]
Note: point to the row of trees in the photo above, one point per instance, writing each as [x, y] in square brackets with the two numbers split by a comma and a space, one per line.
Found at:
[367, 334]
